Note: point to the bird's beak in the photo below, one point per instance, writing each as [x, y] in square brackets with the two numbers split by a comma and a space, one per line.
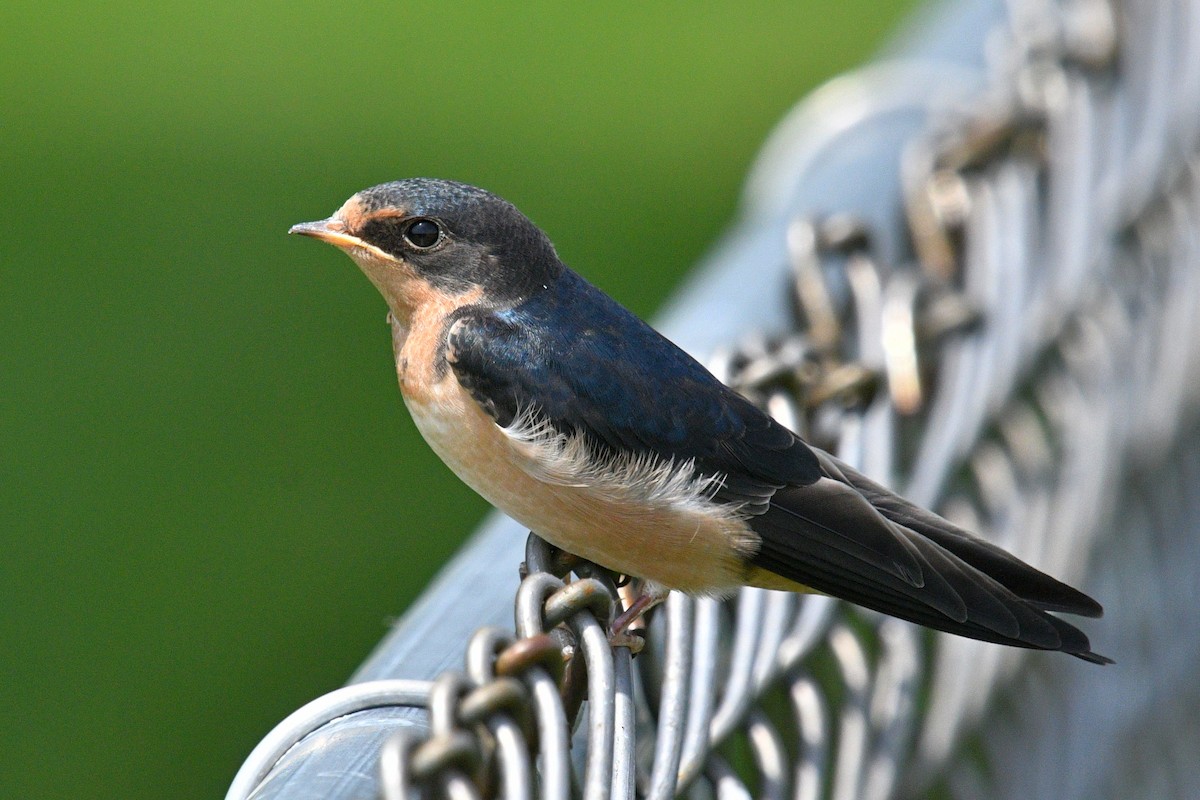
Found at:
[332, 230]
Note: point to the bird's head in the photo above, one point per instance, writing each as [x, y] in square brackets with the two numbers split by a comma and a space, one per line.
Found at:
[420, 237]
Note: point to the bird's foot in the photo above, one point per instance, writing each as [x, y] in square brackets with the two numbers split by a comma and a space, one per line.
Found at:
[628, 629]
[634, 640]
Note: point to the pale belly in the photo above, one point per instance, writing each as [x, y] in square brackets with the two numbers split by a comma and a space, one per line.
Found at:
[676, 545]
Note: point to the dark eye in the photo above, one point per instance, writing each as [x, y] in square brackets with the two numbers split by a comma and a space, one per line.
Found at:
[422, 233]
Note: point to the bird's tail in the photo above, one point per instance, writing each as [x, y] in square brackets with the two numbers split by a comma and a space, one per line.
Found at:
[851, 538]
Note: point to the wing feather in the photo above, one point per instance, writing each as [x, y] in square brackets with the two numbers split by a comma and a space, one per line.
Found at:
[580, 363]
[586, 365]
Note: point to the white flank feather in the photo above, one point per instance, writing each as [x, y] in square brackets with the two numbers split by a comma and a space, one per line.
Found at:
[567, 460]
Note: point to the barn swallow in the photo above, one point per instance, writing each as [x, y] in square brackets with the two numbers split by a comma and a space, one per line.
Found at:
[580, 421]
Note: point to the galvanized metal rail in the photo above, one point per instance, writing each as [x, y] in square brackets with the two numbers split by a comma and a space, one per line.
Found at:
[975, 279]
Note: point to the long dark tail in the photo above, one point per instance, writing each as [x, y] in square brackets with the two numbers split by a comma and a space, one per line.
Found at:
[851, 538]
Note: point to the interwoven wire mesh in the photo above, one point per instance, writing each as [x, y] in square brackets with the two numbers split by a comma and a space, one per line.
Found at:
[1017, 349]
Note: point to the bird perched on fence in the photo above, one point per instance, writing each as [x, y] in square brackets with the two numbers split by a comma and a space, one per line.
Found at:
[580, 421]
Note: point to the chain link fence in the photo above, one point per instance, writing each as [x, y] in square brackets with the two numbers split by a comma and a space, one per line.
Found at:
[974, 275]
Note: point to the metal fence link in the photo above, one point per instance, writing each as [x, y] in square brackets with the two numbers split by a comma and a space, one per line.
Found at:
[1022, 355]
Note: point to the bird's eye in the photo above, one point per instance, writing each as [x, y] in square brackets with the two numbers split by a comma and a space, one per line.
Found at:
[422, 233]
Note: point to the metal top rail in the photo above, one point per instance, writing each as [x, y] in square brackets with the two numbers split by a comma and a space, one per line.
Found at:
[973, 277]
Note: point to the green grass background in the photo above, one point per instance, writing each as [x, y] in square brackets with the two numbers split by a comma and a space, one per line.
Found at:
[211, 498]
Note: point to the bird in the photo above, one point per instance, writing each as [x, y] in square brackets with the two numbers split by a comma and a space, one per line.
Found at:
[574, 417]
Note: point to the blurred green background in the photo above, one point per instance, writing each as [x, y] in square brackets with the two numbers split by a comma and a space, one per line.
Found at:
[211, 498]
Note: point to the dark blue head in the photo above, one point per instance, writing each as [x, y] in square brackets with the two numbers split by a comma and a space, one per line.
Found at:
[455, 237]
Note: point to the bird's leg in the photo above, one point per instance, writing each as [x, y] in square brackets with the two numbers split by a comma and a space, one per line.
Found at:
[638, 602]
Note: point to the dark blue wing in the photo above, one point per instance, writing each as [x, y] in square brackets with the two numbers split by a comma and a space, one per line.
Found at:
[589, 366]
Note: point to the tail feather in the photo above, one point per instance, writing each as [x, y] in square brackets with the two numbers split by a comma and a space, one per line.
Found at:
[1032, 585]
[931, 572]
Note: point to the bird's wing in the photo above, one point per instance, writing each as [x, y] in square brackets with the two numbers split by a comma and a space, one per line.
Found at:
[585, 365]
